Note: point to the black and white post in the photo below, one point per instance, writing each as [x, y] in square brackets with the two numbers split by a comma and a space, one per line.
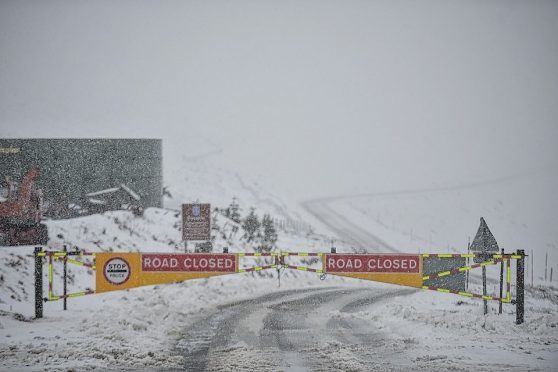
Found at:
[65, 275]
[38, 283]
[520, 297]
[484, 289]
[501, 284]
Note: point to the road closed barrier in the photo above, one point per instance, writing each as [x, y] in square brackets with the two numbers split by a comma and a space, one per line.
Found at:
[124, 270]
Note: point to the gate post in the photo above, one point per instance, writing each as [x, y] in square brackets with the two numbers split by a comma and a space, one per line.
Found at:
[65, 277]
[520, 278]
[484, 287]
[501, 283]
[38, 283]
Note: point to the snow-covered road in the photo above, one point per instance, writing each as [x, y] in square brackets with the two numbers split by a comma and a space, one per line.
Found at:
[295, 330]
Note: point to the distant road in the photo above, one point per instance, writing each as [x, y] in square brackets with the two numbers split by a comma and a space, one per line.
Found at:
[360, 238]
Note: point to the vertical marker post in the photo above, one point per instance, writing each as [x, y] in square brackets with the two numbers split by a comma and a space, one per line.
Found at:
[65, 274]
[484, 288]
[501, 283]
[277, 261]
[468, 259]
[38, 283]
[545, 266]
[520, 297]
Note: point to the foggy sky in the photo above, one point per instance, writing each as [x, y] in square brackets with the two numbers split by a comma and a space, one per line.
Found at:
[322, 97]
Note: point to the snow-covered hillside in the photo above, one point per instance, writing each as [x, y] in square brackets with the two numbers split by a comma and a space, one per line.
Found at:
[201, 172]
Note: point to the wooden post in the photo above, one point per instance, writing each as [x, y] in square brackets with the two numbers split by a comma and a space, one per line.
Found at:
[468, 260]
[545, 265]
[484, 289]
[501, 283]
[520, 297]
[278, 262]
[38, 283]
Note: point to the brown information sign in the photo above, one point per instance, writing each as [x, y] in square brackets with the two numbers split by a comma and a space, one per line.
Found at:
[196, 222]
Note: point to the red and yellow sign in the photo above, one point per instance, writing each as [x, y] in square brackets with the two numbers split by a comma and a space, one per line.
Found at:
[116, 271]
[402, 269]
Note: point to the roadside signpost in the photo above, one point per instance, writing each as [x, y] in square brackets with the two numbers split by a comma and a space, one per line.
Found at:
[196, 222]
[484, 245]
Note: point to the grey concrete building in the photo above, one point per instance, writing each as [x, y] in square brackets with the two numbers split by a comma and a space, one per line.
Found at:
[73, 168]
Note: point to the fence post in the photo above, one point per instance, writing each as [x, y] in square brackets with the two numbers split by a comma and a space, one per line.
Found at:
[545, 266]
[501, 283]
[484, 288]
[65, 278]
[38, 283]
[520, 297]
[468, 260]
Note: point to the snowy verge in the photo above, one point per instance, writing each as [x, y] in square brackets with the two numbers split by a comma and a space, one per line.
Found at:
[442, 331]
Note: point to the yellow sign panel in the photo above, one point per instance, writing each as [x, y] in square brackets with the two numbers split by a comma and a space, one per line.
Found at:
[402, 269]
[117, 271]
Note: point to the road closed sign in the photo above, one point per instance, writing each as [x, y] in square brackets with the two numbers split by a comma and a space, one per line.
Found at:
[225, 263]
[403, 269]
[129, 270]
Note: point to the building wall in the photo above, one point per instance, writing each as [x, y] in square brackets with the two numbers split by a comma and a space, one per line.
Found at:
[70, 168]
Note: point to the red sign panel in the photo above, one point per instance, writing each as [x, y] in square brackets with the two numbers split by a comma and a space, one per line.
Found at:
[372, 263]
[198, 262]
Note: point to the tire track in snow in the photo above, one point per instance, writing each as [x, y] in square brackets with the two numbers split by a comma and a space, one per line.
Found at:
[285, 331]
